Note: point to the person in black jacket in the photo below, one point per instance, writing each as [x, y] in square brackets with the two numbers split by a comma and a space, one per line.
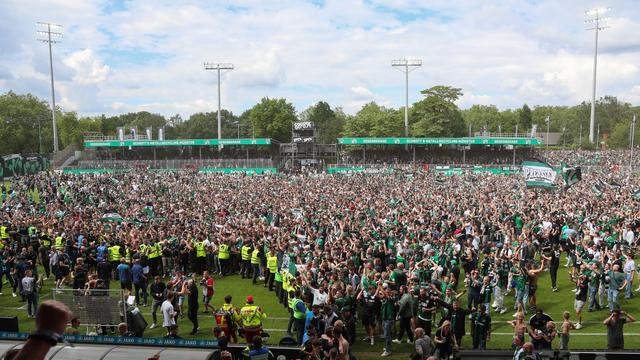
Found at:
[158, 292]
[190, 289]
[456, 315]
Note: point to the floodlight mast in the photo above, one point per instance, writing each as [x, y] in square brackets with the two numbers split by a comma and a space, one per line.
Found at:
[218, 67]
[406, 65]
[51, 30]
[595, 17]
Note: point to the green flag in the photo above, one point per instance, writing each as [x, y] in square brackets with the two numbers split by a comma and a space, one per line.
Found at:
[571, 175]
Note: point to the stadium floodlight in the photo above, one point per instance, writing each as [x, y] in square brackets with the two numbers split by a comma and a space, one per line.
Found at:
[49, 35]
[218, 67]
[632, 135]
[595, 20]
[406, 65]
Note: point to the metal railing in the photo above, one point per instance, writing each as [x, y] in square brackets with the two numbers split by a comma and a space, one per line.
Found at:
[523, 135]
[99, 137]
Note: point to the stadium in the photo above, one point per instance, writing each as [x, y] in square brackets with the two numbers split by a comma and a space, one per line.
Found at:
[162, 227]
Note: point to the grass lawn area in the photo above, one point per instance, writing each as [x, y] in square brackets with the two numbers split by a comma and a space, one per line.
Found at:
[591, 336]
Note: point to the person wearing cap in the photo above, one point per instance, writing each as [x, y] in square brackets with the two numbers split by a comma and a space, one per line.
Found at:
[251, 317]
[615, 324]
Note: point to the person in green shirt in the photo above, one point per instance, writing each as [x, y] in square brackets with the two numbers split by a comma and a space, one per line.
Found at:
[521, 277]
[594, 284]
[387, 315]
[616, 284]
[480, 328]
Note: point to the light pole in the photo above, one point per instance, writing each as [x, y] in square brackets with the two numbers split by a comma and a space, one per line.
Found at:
[633, 135]
[595, 17]
[548, 121]
[218, 67]
[49, 31]
[564, 142]
[406, 66]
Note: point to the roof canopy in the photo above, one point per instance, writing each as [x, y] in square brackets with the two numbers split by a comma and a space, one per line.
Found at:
[442, 141]
[177, 142]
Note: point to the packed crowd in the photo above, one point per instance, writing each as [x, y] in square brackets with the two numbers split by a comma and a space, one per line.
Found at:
[393, 253]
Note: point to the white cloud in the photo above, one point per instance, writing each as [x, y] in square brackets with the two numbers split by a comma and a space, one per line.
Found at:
[361, 92]
[89, 69]
[149, 55]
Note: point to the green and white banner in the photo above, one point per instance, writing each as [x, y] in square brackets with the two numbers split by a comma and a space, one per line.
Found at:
[538, 174]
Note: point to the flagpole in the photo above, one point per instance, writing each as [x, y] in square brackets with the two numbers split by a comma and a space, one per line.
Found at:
[633, 134]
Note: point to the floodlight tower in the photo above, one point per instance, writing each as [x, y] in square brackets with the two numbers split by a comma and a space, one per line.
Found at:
[406, 65]
[218, 67]
[49, 31]
[594, 19]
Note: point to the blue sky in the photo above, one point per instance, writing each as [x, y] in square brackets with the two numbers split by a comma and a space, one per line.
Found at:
[121, 56]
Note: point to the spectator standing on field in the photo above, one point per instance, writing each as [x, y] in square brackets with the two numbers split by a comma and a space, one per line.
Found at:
[168, 313]
[565, 330]
[124, 275]
[139, 282]
[158, 293]
[422, 345]
[30, 292]
[481, 328]
[615, 324]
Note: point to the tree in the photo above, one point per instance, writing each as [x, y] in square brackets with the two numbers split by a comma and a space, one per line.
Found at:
[25, 120]
[621, 135]
[374, 120]
[437, 115]
[483, 117]
[273, 118]
[328, 125]
[526, 118]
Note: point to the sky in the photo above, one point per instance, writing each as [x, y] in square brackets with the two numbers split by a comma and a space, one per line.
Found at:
[123, 56]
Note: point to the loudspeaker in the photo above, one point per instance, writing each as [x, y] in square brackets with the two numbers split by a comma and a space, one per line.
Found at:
[9, 323]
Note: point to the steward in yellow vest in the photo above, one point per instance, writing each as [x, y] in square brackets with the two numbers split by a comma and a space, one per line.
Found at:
[224, 256]
[251, 317]
[255, 264]
[245, 266]
[272, 266]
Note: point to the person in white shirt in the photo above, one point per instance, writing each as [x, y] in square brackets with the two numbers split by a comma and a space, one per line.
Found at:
[320, 295]
[629, 236]
[629, 273]
[168, 313]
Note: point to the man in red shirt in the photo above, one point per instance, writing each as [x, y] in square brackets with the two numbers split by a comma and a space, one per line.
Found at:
[207, 291]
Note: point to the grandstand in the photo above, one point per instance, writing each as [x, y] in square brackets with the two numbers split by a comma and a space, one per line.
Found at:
[124, 152]
[497, 153]
[493, 151]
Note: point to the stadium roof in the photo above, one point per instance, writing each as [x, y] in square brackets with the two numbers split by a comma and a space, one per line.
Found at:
[176, 142]
[441, 141]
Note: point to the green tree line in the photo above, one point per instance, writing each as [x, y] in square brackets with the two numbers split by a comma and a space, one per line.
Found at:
[26, 126]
